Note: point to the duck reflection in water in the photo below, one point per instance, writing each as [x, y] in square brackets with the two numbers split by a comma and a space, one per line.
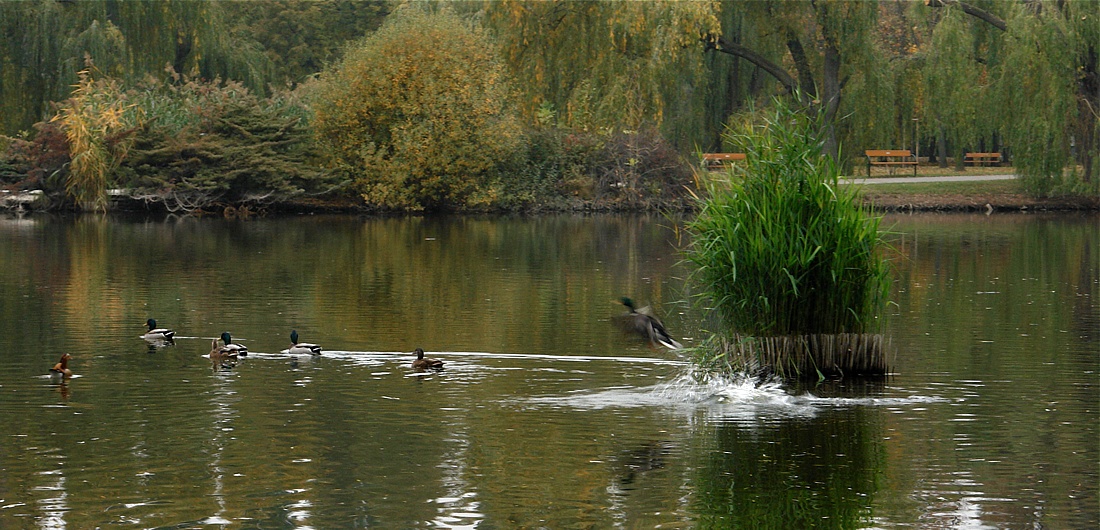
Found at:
[425, 363]
[635, 462]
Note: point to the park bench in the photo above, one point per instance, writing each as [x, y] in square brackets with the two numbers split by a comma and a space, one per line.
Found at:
[720, 160]
[890, 158]
[983, 158]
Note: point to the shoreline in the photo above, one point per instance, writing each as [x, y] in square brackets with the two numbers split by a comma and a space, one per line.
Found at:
[893, 197]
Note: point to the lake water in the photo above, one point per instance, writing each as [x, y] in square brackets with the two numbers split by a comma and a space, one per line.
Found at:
[545, 415]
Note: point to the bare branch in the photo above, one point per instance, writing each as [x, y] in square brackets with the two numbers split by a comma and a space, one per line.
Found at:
[992, 19]
[732, 48]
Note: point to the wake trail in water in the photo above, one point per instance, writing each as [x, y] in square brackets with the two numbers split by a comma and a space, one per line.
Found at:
[734, 395]
[731, 397]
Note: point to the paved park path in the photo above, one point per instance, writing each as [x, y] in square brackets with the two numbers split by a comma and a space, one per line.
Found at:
[913, 180]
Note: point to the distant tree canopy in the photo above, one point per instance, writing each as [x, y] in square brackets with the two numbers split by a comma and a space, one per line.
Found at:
[1021, 75]
[419, 113]
[608, 65]
[1005, 74]
[43, 44]
[945, 76]
[301, 37]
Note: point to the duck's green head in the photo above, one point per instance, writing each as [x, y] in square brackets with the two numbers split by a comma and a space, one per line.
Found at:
[151, 323]
[294, 336]
[226, 338]
[627, 302]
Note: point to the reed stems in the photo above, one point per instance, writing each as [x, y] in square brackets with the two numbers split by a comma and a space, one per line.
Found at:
[784, 255]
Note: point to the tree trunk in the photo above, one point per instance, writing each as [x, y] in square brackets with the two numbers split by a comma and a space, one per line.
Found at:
[802, 65]
[941, 147]
[183, 51]
[1088, 112]
[831, 92]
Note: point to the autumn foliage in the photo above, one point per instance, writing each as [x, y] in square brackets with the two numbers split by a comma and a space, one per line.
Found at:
[419, 113]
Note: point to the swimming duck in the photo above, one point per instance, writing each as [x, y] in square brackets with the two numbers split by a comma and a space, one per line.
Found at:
[426, 363]
[301, 348]
[60, 371]
[156, 333]
[233, 349]
[643, 322]
[221, 356]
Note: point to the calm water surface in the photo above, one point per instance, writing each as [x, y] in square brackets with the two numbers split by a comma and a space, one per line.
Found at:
[546, 416]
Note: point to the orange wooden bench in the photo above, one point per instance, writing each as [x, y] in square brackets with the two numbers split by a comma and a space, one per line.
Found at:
[720, 160]
[890, 158]
[982, 158]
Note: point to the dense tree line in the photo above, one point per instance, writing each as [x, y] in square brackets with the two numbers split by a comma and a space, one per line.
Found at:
[597, 100]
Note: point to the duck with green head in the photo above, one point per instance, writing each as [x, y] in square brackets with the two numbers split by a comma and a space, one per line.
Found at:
[157, 334]
[645, 323]
[229, 348]
[301, 348]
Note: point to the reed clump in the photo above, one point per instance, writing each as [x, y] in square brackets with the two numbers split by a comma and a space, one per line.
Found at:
[99, 125]
[787, 259]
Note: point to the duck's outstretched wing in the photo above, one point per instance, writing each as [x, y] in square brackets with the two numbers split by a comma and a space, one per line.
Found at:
[659, 335]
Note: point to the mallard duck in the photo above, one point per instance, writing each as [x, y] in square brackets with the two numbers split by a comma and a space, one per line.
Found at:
[643, 322]
[155, 333]
[229, 348]
[425, 363]
[221, 356]
[301, 348]
[60, 371]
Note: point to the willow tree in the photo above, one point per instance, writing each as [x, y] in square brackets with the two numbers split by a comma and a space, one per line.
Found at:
[1025, 70]
[608, 65]
[43, 44]
[958, 73]
[301, 37]
[825, 50]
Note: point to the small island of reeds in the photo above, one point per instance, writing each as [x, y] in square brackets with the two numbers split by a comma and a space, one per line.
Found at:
[786, 260]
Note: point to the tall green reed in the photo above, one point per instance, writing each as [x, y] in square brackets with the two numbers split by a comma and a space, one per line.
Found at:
[779, 248]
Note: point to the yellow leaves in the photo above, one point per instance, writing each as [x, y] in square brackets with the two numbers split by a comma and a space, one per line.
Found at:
[93, 119]
[429, 97]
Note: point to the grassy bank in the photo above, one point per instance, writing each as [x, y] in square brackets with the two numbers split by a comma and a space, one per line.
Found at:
[986, 195]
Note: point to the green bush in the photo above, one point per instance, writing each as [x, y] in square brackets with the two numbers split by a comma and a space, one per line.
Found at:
[419, 113]
[780, 249]
[208, 142]
[567, 168]
[552, 167]
[185, 144]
